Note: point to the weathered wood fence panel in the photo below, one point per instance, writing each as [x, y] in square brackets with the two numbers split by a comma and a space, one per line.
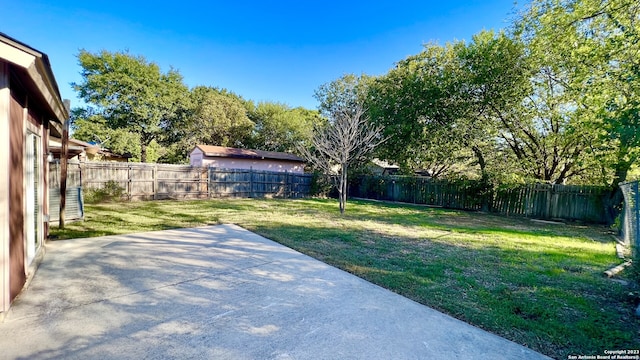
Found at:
[171, 181]
[143, 181]
[541, 201]
[251, 183]
[416, 190]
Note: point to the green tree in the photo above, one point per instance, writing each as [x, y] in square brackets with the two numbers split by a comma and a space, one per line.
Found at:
[279, 127]
[592, 47]
[545, 135]
[348, 93]
[212, 117]
[88, 126]
[449, 100]
[490, 82]
[131, 93]
[410, 102]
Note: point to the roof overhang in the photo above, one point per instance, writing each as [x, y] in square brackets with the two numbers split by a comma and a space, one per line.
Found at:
[90, 149]
[37, 68]
[56, 150]
[236, 153]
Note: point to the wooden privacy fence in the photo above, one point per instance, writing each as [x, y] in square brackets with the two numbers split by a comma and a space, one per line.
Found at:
[142, 181]
[541, 201]
[545, 201]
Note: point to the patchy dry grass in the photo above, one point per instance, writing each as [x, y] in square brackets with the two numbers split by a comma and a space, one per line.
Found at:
[540, 285]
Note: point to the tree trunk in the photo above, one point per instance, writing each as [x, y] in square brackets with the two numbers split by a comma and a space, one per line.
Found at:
[481, 161]
[613, 204]
[615, 201]
[342, 190]
[621, 171]
[143, 152]
[485, 191]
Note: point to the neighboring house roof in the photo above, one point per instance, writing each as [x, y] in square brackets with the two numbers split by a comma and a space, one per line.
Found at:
[381, 167]
[383, 164]
[34, 66]
[77, 147]
[221, 151]
[108, 154]
[87, 147]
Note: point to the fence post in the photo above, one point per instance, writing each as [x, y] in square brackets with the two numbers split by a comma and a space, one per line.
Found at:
[80, 166]
[527, 203]
[636, 210]
[129, 182]
[250, 181]
[154, 175]
[547, 214]
[414, 182]
[209, 181]
[204, 182]
[286, 184]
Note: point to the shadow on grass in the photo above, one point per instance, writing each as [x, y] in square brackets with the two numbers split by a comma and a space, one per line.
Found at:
[57, 234]
[547, 300]
[123, 218]
[464, 221]
[493, 272]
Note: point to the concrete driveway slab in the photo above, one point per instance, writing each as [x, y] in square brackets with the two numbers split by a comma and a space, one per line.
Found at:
[222, 292]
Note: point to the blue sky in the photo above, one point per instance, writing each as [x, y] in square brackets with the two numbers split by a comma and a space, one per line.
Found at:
[263, 50]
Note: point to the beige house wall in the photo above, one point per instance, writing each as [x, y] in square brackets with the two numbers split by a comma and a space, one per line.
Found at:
[197, 158]
[255, 164]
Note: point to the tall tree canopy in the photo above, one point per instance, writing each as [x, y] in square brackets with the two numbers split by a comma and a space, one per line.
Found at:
[349, 92]
[131, 93]
[557, 96]
[590, 50]
[555, 99]
[279, 127]
[412, 103]
[449, 100]
[90, 127]
[211, 116]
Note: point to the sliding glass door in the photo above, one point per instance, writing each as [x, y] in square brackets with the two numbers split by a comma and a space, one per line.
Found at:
[33, 213]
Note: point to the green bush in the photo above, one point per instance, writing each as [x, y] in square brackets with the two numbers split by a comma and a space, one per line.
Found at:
[321, 185]
[110, 191]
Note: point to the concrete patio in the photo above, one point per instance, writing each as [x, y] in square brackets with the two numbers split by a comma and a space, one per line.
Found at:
[222, 292]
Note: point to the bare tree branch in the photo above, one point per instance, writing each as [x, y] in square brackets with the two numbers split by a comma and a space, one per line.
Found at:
[347, 139]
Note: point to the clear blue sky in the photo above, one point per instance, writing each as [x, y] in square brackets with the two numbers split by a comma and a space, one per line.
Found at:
[263, 50]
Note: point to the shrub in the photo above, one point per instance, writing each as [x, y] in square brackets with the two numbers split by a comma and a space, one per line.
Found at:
[110, 191]
[321, 185]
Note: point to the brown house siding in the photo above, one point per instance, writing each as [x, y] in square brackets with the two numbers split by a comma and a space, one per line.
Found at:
[16, 198]
[32, 118]
[5, 115]
[29, 103]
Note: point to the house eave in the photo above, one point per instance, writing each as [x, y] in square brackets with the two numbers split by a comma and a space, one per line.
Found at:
[38, 69]
[235, 153]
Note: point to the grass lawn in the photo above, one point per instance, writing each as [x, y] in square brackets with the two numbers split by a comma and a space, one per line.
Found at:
[540, 285]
